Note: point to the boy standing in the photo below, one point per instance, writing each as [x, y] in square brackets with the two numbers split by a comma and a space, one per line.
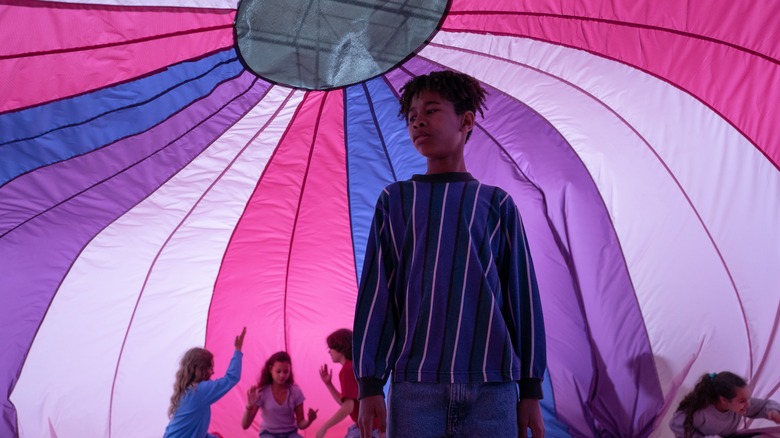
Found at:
[448, 297]
[340, 350]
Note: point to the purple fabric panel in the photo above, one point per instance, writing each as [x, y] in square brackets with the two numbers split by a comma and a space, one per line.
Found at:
[37, 255]
[30, 194]
[599, 354]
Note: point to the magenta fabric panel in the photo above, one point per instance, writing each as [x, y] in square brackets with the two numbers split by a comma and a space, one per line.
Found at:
[744, 24]
[37, 254]
[43, 73]
[743, 93]
[293, 240]
[63, 27]
[580, 267]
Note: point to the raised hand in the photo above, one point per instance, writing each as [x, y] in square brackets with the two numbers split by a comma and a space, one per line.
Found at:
[240, 339]
[325, 374]
[252, 396]
[312, 415]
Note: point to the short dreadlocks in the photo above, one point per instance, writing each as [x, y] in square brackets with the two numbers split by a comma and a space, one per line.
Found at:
[465, 92]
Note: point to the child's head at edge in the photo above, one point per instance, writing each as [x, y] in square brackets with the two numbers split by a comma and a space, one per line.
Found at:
[278, 367]
[340, 342]
[196, 365]
[725, 390]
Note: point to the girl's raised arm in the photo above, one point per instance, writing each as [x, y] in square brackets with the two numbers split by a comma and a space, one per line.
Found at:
[240, 340]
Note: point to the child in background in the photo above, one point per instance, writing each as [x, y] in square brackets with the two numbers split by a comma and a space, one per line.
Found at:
[193, 392]
[717, 404]
[340, 350]
[448, 298]
[279, 399]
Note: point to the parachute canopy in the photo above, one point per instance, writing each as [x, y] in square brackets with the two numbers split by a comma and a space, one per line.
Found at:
[156, 194]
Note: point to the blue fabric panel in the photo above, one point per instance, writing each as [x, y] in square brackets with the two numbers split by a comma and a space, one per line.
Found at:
[38, 120]
[84, 123]
[552, 425]
[379, 152]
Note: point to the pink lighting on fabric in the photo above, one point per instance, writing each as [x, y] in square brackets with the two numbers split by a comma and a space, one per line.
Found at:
[293, 239]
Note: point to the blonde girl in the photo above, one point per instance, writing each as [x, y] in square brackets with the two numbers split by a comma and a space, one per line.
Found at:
[194, 393]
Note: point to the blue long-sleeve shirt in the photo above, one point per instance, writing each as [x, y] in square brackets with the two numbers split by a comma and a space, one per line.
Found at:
[192, 418]
[448, 292]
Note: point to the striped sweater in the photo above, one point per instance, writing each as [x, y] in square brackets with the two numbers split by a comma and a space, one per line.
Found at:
[448, 292]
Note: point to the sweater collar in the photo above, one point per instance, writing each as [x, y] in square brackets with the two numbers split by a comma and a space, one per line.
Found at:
[444, 177]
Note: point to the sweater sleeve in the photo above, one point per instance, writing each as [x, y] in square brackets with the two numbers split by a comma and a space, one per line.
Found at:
[677, 424]
[525, 309]
[374, 326]
[760, 408]
[210, 391]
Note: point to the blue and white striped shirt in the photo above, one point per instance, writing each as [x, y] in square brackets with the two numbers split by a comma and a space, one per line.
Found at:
[448, 292]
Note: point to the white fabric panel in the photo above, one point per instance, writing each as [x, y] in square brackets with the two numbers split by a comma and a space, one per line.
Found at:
[188, 267]
[683, 287]
[177, 236]
[208, 4]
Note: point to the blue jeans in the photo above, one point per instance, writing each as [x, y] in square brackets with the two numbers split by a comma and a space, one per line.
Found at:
[290, 434]
[468, 410]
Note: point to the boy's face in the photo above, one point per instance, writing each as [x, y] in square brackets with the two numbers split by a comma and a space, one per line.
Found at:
[437, 132]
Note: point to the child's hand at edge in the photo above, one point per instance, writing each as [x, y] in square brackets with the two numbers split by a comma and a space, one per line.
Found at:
[529, 415]
[774, 416]
[240, 339]
[325, 374]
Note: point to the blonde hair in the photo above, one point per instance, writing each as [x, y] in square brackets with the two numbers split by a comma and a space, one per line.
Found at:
[193, 368]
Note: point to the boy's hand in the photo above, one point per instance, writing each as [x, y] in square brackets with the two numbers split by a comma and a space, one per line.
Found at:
[529, 415]
[774, 416]
[325, 374]
[370, 408]
[240, 339]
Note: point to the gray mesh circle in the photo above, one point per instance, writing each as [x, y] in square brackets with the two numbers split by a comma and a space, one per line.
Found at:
[323, 44]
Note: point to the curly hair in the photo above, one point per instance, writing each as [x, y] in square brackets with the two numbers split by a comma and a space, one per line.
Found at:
[707, 391]
[465, 92]
[195, 367]
[341, 341]
[265, 376]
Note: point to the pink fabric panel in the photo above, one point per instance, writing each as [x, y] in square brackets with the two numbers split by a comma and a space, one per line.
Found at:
[67, 27]
[294, 239]
[32, 80]
[746, 24]
[736, 84]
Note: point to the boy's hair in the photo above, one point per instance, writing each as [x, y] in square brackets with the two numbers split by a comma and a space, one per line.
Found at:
[193, 368]
[465, 92]
[707, 391]
[341, 341]
[265, 376]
